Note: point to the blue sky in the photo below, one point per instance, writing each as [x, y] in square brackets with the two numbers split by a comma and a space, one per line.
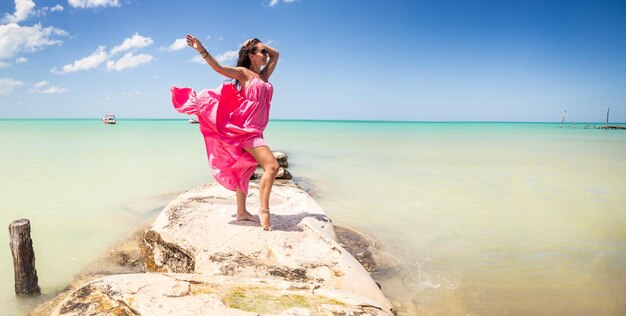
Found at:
[356, 60]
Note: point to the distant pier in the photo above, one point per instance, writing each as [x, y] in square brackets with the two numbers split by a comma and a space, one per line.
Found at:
[612, 127]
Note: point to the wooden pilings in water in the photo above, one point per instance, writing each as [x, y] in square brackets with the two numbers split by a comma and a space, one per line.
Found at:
[607, 126]
[26, 281]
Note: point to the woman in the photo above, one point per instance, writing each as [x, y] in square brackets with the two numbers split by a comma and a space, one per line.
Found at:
[232, 119]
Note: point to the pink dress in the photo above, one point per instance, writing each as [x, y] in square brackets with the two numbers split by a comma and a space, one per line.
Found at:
[230, 120]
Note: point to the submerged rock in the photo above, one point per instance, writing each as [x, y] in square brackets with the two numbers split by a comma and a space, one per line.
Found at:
[366, 250]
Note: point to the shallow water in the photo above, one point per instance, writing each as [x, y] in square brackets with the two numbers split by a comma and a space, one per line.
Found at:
[485, 218]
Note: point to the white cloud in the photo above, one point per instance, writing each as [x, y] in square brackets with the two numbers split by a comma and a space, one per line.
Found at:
[4, 65]
[197, 59]
[21, 60]
[132, 93]
[136, 41]
[227, 56]
[47, 10]
[7, 85]
[129, 61]
[84, 4]
[53, 90]
[100, 56]
[15, 39]
[273, 3]
[23, 8]
[40, 84]
[89, 62]
[177, 45]
[41, 87]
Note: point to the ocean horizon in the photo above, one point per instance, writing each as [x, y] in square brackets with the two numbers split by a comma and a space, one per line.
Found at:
[310, 120]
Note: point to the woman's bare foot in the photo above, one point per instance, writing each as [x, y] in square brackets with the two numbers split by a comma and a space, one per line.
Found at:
[264, 216]
[245, 216]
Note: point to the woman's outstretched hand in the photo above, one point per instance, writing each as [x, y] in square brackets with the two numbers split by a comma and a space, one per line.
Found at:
[194, 43]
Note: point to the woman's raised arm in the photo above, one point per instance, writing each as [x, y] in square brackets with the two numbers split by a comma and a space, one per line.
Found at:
[271, 63]
[230, 72]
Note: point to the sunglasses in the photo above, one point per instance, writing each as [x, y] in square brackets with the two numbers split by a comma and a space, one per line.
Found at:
[263, 51]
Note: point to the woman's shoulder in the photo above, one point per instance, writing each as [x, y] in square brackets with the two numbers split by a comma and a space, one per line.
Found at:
[250, 74]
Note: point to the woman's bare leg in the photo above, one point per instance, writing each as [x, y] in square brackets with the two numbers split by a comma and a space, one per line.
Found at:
[265, 158]
[242, 213]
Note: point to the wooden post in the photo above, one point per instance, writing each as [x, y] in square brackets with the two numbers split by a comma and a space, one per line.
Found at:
[23, 258]
[563, 119]
[607, 117]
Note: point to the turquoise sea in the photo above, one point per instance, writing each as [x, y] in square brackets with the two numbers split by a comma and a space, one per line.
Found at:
[483, 218]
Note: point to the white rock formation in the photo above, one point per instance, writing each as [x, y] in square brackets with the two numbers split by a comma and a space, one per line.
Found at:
[200, 252]
[199, 294]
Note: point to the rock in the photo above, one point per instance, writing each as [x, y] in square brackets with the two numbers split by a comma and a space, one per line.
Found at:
[366, 250]
[281, 158]
[199, 294]
[257, 174]
[197, 233]
[125, 257]
[225, 267]
[282, 174]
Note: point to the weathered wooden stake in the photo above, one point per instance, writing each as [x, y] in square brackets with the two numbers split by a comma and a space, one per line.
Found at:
[563, 119]
[607, 117]
[23, 258]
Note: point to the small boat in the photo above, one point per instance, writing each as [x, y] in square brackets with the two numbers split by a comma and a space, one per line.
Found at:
[193, 121]
[109, 119]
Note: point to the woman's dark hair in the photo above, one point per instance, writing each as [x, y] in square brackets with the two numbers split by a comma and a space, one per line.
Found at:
[244, 60]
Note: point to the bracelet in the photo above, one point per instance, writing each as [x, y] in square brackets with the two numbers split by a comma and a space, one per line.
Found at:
[204, 52]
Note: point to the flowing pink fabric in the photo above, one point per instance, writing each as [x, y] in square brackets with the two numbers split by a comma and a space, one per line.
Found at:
[230, 120]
